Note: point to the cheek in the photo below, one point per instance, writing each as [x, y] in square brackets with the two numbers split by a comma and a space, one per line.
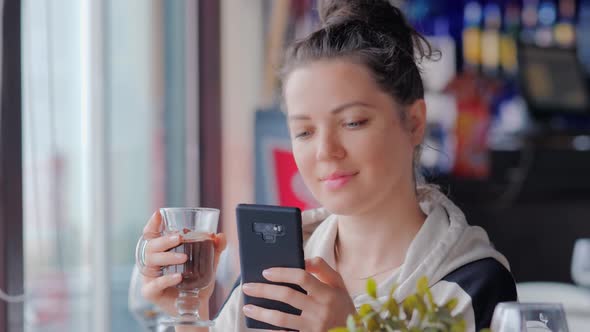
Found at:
[304, 159]
[384, 153]
[304, 155]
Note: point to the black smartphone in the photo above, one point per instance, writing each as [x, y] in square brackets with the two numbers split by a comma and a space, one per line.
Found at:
[269, 236]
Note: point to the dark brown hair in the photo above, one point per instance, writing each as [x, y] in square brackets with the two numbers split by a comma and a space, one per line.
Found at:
[372, 32]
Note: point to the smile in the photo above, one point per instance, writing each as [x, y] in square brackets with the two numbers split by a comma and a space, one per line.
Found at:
[337, 180]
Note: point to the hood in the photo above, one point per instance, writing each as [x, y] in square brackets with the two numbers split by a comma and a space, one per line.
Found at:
[444, 243]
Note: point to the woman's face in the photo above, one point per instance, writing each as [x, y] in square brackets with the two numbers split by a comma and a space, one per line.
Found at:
[348, 140]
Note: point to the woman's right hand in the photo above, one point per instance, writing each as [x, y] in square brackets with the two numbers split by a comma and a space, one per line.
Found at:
[160, 289]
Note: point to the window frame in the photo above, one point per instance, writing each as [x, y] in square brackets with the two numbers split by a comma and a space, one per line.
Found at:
[11, 188]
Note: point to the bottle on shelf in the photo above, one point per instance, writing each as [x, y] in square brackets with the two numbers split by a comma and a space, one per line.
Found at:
[508, 40]
[565, 30]
[547, 14]
[490, 39]
[472, 18]
[529, 21]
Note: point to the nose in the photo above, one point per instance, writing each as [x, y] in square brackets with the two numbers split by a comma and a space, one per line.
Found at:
[329, 147]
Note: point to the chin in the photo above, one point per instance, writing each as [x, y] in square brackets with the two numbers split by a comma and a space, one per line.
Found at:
[342, 206]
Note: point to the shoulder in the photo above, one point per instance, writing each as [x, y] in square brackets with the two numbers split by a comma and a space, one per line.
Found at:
[487, 282]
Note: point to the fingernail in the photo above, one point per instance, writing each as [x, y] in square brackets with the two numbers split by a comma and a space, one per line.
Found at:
[176, 276]
[267, 273]
[180, 256]
[248, 309]
[247, 287]
[174, 237]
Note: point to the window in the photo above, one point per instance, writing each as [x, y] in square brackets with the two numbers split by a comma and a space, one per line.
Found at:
[109, 123]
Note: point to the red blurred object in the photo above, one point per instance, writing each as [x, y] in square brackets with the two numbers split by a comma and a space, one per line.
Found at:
[473, 121]
[291, 191]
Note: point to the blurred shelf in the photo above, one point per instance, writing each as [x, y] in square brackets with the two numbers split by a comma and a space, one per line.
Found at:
[544, 174]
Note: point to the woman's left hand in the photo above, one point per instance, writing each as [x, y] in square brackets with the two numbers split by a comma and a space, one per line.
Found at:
[326, 305]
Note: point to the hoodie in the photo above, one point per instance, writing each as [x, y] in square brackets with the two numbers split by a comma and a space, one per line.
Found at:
[458, 260]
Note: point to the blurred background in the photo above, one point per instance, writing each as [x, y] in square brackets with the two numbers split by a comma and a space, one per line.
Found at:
[112, 109]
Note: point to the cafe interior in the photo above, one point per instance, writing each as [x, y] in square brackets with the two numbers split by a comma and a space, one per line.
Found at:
[113, 109]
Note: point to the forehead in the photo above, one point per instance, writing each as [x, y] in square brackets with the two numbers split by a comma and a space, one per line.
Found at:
[325, 84]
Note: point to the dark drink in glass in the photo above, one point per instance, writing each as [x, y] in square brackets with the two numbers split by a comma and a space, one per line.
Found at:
[197, 271]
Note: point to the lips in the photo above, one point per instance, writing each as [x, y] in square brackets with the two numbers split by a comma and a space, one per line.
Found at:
[337, 175]
[337, 179]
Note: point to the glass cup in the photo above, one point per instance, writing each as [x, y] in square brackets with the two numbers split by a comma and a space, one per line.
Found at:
[580, 268]
[529, 317]
[197, 227]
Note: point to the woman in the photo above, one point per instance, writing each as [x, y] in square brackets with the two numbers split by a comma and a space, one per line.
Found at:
[356, 115]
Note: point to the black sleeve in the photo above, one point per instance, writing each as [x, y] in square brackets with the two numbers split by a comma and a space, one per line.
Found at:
[488, 283]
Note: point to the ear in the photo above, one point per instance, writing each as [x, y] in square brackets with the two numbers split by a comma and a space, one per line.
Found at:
[417, 121]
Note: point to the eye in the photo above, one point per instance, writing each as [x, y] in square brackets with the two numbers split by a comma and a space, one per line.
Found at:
[303, 134]
[356, 124]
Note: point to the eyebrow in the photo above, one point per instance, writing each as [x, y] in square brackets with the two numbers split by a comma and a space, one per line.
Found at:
[334, 111]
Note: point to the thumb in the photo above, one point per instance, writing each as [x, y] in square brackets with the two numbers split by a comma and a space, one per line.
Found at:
[220, 242]
[324, 272]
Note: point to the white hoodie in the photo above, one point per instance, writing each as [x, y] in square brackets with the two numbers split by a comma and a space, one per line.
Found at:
[457, 259]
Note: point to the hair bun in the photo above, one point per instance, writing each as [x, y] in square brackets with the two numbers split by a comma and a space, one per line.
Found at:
[379, 15]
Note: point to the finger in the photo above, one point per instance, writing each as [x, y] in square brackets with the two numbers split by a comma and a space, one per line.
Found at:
[163, 243]
[298, 277]
[159, 259]
[153, 227]
[220, 242]
[274, 317]
[279, 293]
[153, 289]
[151, 272]
[324, 272]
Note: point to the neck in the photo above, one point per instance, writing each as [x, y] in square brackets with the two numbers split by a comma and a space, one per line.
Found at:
[389, 228]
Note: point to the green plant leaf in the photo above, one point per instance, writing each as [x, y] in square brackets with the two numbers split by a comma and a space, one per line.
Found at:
[372, 325]
[365, 310]
[389, 329]
[396, 325]
[432, 329]
[444, 316]
[392, 307]
[409, 305]
[369, 316]
[370, 321]
[421, 307]
[392, 290]
[431, 316]
[340, 329]
[451, 304]
[391, 316]
[430, 298]
[372, 288]
[422, 286]
[459, 326]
